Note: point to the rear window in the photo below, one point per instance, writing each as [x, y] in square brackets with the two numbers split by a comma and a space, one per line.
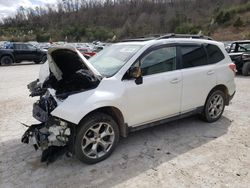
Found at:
[214, 54]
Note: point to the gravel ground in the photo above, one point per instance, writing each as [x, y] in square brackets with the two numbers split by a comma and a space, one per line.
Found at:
[184, 153]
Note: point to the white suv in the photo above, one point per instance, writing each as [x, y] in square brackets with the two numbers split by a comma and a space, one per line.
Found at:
[86, 105]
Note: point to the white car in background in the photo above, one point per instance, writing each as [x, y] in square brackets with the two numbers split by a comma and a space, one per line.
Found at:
[85, 106]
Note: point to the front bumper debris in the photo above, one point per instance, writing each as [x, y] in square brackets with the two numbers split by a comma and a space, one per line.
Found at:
[52, 137]
[35, 135]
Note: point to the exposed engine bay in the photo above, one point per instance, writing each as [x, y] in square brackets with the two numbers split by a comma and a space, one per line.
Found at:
[64, 74]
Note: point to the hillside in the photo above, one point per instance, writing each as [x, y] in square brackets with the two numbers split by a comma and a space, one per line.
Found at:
[232, 31]
[109, 20]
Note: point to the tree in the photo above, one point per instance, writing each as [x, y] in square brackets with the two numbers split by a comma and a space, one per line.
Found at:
[238, 23]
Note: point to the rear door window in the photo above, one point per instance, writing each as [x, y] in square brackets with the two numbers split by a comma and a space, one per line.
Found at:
[193, 56]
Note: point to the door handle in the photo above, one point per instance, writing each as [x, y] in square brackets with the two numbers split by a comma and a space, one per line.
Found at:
[175, 80]
[210, 72]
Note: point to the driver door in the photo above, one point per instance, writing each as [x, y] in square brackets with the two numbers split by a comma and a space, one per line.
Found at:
[159, 94]
[25, 52]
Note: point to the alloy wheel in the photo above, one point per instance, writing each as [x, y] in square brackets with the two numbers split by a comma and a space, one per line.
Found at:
[216, 106]
[98, 140]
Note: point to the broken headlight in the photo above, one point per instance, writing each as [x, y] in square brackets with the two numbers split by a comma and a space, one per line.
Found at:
[43, 107]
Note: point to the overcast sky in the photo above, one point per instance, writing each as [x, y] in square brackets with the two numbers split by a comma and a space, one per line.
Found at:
[8, 7]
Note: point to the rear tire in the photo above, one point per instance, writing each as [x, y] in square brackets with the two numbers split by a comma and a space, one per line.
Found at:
[246, 69]
[96, 138]
[6, 60]
[214, 106]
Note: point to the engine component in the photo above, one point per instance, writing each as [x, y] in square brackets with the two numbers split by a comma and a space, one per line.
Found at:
[59, 136]
[35, 89]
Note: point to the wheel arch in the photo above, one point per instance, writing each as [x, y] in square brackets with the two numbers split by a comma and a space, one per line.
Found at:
[222, 88]
[44, 55]
[9, 55]
[115, 113]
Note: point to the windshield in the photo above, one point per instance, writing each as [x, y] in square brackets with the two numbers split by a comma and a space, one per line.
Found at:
[110, 60]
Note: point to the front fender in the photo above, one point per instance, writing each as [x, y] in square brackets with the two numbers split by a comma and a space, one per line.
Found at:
[77, 106]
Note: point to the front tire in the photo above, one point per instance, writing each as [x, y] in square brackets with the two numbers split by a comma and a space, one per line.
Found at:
[246, 69]
[6, 60]
[214, 106]
[96, 138]
[44, 59]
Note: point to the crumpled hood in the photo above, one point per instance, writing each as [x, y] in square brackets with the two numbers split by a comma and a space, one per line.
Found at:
[56, 68]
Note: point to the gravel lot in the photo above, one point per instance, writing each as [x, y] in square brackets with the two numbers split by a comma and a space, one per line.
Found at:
[184, 153]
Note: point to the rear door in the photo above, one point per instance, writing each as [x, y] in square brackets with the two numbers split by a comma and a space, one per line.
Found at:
[31, 52]
[199, 76]
[17, 51]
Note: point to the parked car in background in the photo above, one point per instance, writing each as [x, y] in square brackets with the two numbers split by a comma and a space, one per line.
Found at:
[239, 51]
[45, 45]
[34, 43]
[84, 106]
[2, 44]
[16, 52]
[87, 49]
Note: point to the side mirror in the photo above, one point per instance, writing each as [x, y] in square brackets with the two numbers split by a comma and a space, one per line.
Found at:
[136, 73]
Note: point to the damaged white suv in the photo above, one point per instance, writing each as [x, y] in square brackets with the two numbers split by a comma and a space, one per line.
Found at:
[86, 105]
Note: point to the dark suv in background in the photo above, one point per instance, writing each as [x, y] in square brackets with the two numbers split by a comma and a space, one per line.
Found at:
[239, 51]
[18, 52]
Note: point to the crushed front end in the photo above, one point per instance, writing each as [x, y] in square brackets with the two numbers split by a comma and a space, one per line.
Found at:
[53, 135]
[65, 73]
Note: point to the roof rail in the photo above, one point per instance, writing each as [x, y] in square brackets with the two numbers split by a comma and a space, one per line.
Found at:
[173, 35]
[141, 39]
[167, 36]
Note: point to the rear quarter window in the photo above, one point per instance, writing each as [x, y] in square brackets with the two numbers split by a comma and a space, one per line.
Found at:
[214, 53]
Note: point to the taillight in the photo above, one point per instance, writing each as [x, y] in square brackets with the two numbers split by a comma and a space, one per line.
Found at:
[232, 66]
